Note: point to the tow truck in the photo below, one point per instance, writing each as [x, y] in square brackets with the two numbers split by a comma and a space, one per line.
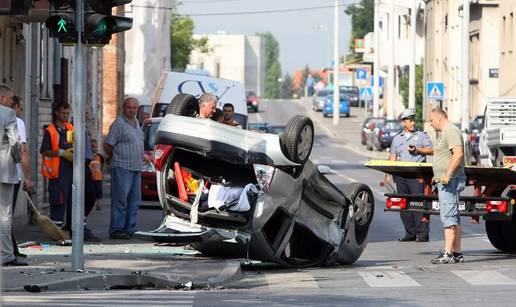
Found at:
[494, 197]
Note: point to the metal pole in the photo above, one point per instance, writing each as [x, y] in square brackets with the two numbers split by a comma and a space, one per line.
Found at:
[425, 62]
[376, 81]
[79, 145]
[390, 85]
[32, 115]
[412, 67]
[336, 66]
[465, 66]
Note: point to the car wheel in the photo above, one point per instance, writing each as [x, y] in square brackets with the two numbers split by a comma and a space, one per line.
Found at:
[502, 235]
[355, 223]
[184, 105]
[220, 249]
[297, 139]
[347, 114]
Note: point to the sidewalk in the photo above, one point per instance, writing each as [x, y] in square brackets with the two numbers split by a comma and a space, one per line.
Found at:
[347, 132]
[114, 264]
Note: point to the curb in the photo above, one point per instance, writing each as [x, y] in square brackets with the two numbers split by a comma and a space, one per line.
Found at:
[230, 273]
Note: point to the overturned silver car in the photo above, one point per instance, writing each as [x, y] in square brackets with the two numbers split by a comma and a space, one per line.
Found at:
[230, 192]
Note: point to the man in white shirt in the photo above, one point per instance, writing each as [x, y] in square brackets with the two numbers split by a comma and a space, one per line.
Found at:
[18, 108]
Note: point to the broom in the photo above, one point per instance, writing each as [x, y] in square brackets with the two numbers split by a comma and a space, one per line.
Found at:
[46, 225]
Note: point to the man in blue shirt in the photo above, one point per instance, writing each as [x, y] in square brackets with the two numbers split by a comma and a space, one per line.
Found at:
[411, 145]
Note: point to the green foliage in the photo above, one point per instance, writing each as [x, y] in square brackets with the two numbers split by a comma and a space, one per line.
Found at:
[272, 65]
[287, 87]
[404, 89]
[362, 19]
[182, 42]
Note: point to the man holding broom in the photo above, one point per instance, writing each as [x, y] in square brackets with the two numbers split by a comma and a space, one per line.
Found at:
[9, 156]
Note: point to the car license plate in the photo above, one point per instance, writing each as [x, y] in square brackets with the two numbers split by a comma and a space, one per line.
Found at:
[436, 206]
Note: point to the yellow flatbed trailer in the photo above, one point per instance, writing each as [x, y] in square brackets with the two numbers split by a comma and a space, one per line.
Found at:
[494, 197]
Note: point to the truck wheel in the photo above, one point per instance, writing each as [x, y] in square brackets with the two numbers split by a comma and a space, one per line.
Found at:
[355, 224]
[184, 105]
[297, 139]
[220, 249]
[502, 235]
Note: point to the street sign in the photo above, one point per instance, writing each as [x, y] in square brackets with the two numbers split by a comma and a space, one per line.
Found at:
[366, 93]
[435, 90]
[361, 74]
[381, 81]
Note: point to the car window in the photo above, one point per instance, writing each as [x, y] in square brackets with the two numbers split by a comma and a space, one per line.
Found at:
[392, 125]
[150, 135]
[321, 93]
[250, 93]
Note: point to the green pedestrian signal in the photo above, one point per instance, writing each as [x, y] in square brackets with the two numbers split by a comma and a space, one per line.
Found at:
[62, 26]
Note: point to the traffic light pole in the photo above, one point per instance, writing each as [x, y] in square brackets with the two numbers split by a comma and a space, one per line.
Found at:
[79, 144]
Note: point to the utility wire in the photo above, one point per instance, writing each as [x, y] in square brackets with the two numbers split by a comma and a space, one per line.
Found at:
[289, 10]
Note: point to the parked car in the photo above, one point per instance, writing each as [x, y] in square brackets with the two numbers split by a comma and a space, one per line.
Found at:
[149, 186]
[252, 101]
[344, 109]
[366, 128]
[264, 127]
[352, 94]
[319, 99]
[381, 137]
[472, 151]
[286, 212]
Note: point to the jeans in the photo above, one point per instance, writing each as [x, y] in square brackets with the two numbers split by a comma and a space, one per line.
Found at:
[125, 199]
[449, 200]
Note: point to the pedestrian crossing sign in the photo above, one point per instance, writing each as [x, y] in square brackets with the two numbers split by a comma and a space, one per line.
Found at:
[366, 93]
[435, 90]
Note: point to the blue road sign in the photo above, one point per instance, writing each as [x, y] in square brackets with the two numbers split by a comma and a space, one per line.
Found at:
[361, 74]
[366, 93]
[435, 90]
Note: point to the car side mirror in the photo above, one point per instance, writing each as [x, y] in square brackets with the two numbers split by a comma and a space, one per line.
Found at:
[324, 169]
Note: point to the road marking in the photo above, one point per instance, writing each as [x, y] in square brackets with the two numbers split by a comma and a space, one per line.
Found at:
[103, 298]
[388, 279]
[298, 280]
[484, 278]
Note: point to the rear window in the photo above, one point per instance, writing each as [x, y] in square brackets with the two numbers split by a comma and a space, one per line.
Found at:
[150, 135]
[321, 93]
[392, 125]
[250, 93]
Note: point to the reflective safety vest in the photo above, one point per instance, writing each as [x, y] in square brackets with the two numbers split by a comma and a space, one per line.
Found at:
[50, 167]
[96, 168]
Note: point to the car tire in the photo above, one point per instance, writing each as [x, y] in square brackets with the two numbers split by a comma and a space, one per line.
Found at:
[347, 115]
[220, 249]
[297, 139]
[355, 224]
[502, 235]
[184, 105]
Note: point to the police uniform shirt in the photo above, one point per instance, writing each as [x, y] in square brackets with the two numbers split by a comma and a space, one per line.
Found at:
[401, 142]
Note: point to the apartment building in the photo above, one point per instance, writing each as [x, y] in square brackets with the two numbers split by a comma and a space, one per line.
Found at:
[507, 24]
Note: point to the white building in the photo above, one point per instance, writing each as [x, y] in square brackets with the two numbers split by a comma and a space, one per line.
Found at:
[235, 57]
[147, 51]
[402, 42]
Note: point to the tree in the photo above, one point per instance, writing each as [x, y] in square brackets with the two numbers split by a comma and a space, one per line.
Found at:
[182, 42]
[404, 89]
[362, 20]
[272, 65]
[287, 87]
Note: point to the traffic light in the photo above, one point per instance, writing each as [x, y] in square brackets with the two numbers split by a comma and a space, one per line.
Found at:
[99, 23]
[61, 23]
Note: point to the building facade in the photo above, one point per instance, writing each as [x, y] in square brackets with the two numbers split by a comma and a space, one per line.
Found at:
[235, 57]
[507, 24]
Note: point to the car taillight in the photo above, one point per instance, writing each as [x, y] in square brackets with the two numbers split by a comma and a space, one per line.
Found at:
[264, 174]
[473, 137]
[160, 155]
[396, 203]
[255, 102]
[381, 133]
[496, 206]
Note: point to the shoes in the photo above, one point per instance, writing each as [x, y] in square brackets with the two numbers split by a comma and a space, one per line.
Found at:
[15, 262]
[20, 255]
[407, 239]
[444, 258]
[422, 239]
[119, 235]
[91, 238]
[459, 258]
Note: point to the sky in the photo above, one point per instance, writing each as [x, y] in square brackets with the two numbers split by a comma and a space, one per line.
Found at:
[301, 43]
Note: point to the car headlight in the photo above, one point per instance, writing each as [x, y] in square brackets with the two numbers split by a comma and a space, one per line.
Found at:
[264, 174]
[148, 167]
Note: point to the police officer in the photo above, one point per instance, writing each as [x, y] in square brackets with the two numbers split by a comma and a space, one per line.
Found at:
[410, 145]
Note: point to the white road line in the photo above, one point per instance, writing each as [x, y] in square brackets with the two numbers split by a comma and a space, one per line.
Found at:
[388, 279]
[298, 280]
[484, 278]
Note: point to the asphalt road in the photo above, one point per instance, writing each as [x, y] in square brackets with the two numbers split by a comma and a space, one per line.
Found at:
[389, 273]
